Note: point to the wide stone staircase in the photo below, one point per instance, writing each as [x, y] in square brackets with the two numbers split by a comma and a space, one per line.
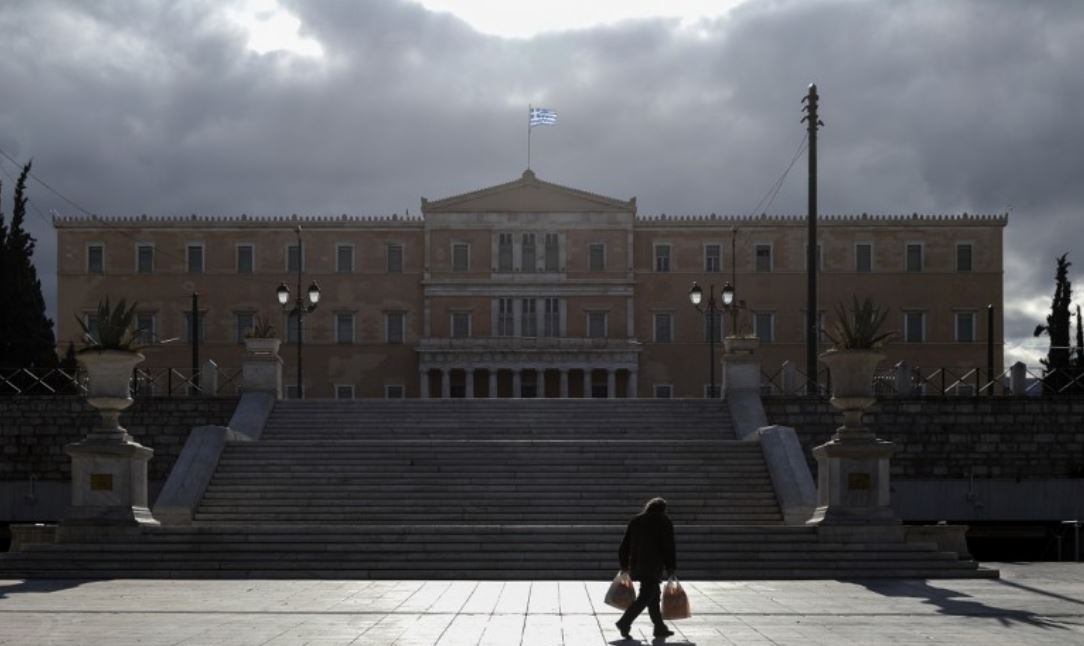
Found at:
[484, 489]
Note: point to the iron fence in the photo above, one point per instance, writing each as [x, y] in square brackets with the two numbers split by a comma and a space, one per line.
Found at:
[145, 382]
[903, 380]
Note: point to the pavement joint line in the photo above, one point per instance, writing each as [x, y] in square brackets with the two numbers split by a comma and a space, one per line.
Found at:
[411, 613]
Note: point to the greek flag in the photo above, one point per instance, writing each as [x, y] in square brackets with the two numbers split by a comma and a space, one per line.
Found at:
[543, 117]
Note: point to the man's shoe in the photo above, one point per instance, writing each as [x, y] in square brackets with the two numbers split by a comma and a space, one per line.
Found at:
[625, 634]
[664, 632]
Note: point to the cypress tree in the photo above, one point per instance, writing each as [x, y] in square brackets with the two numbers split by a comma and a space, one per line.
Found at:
[1056, 364]
[1079, 343]
[26, 339]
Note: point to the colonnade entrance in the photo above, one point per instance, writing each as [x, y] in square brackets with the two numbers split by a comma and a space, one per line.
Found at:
[485, 382]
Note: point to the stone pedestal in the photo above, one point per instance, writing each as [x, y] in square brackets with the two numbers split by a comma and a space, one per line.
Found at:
[109, 489]
[741, 365]
[853, 499]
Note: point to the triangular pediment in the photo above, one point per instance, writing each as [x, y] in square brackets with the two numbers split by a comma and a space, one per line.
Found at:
[528, 194]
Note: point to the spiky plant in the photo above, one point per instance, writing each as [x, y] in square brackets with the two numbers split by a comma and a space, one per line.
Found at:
[861, 329]
[115, 331]
[261, 329]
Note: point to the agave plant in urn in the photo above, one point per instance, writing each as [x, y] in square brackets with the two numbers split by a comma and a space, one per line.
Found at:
[852, 361]
[109, 356]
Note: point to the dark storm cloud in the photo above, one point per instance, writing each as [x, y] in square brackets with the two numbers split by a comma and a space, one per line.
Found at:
[158, 107]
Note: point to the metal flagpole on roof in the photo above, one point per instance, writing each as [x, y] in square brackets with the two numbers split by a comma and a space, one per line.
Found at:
[529, 136]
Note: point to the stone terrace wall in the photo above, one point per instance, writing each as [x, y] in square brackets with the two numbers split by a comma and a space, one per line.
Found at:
[34, 430]
[958, 437]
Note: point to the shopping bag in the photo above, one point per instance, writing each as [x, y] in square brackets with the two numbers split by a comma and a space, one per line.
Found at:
[621, 593]
[675, 603]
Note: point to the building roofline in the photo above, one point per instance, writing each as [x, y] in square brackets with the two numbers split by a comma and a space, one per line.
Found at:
[232, 222]
[527, 179]
[871, 219]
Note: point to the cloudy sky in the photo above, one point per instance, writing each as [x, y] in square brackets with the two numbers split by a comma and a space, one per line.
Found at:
[272, 107]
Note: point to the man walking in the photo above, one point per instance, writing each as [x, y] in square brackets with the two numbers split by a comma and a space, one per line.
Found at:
[648, 553]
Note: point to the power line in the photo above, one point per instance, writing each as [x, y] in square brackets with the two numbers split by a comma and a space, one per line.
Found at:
[773, 191]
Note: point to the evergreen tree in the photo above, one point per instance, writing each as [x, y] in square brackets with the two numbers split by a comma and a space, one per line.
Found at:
[26, 335]
[1058, 324]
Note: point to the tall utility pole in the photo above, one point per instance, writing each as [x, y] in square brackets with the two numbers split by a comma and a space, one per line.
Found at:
[195, 341]
[812, 123]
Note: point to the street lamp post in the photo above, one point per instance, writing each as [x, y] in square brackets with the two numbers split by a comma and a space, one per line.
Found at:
[696, 296]
[300, 309]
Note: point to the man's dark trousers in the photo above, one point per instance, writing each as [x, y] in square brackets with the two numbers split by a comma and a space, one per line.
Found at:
[648, 598]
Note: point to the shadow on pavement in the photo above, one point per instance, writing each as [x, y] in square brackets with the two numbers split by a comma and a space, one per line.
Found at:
[952, 602]
[38, 586]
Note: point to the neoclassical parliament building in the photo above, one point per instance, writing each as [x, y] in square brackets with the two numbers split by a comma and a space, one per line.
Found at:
[529, 289]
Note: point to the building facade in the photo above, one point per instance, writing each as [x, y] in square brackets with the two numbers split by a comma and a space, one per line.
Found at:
[530, 289]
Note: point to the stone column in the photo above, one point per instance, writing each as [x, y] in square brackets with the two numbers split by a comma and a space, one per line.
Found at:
[492, 382]
[423, 384]
[1018, 378]
[611, 383]
[903, 379]
[564, 383]
[586, 383]
[517, 383]
[445, 383]
[469, 376]
[631, 391]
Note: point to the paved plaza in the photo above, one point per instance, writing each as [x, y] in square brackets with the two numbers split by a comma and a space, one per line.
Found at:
[1031, 604]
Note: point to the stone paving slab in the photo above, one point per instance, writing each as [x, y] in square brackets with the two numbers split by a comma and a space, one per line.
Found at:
[1031, 604]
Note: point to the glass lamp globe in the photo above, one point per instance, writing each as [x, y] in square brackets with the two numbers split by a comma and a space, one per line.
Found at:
[696, 294]
[283, 293]
[728, 294]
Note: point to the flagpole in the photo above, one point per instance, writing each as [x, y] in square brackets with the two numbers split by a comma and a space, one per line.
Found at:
[528, 136]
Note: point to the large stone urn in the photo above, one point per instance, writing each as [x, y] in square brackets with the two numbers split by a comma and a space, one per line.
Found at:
[853, 495]
[261, 370]
[109, 469]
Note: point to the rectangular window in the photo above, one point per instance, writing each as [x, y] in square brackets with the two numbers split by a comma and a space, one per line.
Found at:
[394, 327]
[528, 320]
[145, 326]
[596, 252]
[202, 330]
[965, 327]
[246, 254]
[664, 327]
[713, 258]
[243, 322]
[763, 253]
[662, 257]
[596, 325]
[344, 327]
[460, 256]
[344, 258]
[394, 391]
[291, 392]
[195, 258]
[505, 317]
[460, 325]
[527, 257]
[863, 257]
[663, 391]
[764, 326]
[713, 394]
[713, 326]
[552, 255]
[914, 256]
[551, 323]
[344, 391]
[145, 258]
[963, 256]
[395, 258]
[293, 259]
[504, 252]
[291, 327]
[91, 321]
[914, 327]
[95, 259]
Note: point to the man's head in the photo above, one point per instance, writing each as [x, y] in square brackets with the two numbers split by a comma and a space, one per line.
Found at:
[655, 506]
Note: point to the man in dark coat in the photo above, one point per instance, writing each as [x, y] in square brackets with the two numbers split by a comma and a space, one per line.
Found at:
[647, 553]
